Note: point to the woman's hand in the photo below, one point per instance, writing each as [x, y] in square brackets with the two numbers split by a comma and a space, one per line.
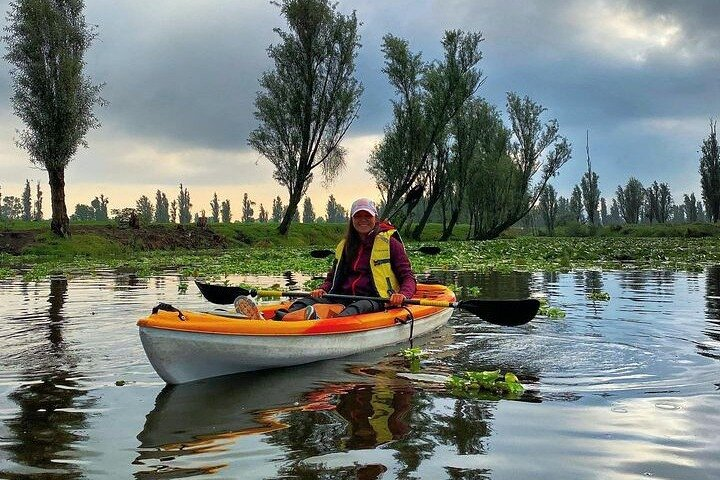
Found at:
[317, 293]
[396, 299]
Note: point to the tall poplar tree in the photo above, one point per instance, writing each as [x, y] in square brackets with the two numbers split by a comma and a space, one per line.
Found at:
[710, 174]
[46, 44]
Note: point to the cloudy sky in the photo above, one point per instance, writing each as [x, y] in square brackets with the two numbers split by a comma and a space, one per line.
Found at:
[181, 77]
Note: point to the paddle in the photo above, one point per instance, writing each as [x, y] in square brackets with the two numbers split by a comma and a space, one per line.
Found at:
[428, 250]
[508, 313]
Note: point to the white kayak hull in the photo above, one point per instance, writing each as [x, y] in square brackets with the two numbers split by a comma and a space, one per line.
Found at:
[180, 357]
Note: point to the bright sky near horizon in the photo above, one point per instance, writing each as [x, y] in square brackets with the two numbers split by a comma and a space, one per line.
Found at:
[642, 76]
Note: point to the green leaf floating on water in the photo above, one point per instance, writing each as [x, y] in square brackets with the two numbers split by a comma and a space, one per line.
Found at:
[485, 384]
[598, 295]
[547, 311]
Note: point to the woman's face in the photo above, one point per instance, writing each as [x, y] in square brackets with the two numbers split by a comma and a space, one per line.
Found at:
[363, 222]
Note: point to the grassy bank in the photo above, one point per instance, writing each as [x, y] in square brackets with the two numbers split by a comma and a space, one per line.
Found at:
[257, 249]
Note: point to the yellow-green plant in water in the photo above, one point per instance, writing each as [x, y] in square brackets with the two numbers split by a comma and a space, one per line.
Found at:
[548, 311]
[489, 381]
[598, 295]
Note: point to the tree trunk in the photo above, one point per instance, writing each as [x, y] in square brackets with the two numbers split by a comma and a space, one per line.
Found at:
[451, 226]
[431, 201]
[292, 207]
[60, 223]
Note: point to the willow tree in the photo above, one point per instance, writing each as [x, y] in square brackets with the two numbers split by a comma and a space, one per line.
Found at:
[429, 95]
[515, 168]
[46, 43]
[710, 174]
[310, 99]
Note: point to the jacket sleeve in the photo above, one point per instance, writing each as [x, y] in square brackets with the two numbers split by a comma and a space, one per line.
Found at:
[327, 284]
[401, 267]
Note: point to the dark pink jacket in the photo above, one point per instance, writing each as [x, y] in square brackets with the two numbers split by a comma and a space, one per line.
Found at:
[358, 278]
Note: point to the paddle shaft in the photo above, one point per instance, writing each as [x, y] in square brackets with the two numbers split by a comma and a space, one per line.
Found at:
[336, 296]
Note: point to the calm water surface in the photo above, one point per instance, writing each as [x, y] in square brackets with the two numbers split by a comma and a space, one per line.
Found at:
[623, 389]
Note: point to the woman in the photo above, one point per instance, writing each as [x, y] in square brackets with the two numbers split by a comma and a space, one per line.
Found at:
[370, 261]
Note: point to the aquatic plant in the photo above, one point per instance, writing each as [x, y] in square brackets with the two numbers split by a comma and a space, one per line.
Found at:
[473, 383]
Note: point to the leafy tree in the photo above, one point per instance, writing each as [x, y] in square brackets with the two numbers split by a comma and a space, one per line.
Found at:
[504, 190]
[549, 208]
[334, 212]
[630, 200]
[277, 209]
[615, 213]
[173, 211]
[26, 202]
[144, 209]
[710, 174]
[215, 209]
[604, 218]
[658, 202]
[12, 208]
[184, 205]
[225, 214]
[37, 206]
[162, 214]
[46, 42]
[690, 204]
[247, 210]
[576, 205]
[83, 212]
[262, 215]
[310, 99]
[308, 211]
[589, 185]
[100, 207]
[429, 95]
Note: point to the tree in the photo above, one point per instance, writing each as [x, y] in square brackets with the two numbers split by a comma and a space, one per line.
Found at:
[690, 204]
[310, 99]
[100, 207]
[37, 206]
[604, 217]
[630, 200]
[162, 214]
[46, 42]
[225, 214]
[334, 212]
[11, 208]
[589, 185]
[615, 213]
[308, 211]
[710, 174]
[26, 202]
[505, 188]
[277, 209]
[429, 95]
[214, 209]
[184, 205]
[658, 202]
[247, 210]
[549, 208]
[83, 212]
[262, 215]
[173, 211]
[144, 209]
[576, 205]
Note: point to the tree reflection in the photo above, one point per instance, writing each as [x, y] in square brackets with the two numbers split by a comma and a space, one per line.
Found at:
[712, 314]
[50, 417]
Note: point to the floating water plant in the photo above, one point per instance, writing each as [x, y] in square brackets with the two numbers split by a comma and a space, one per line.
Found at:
[598, 295]
[486, 382]
[548, 311]
[414, 353]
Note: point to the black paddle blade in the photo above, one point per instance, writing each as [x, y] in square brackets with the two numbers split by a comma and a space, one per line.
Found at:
[220, 294]
[321, 253]
[508, 313]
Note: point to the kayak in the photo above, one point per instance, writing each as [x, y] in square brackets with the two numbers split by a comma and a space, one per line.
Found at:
[184, 346]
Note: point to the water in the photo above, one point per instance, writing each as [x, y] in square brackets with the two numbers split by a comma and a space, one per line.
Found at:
[621, 389]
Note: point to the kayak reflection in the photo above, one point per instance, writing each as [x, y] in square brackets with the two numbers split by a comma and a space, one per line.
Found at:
[362, 407]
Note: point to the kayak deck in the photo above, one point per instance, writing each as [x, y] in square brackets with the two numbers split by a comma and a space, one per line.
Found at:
[222, 324]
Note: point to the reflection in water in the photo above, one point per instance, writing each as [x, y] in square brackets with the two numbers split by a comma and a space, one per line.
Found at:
[712, 329]
[51, 413]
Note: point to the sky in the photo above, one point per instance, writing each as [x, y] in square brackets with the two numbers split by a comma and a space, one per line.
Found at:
[180, 78]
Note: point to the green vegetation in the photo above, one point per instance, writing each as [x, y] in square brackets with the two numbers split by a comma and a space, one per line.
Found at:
[482, 384]
[603, 296]
[28, 248]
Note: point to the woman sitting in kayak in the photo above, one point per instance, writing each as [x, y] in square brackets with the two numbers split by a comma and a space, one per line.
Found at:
[370, 261]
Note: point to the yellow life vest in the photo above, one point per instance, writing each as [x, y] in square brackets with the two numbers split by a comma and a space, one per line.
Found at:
[384, 279]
